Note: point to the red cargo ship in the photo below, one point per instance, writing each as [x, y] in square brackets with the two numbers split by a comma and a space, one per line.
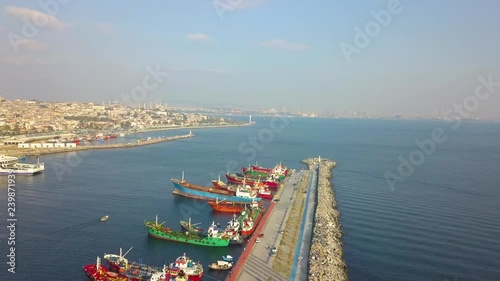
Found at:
[234, 178]
[98, 272]
[227, 206]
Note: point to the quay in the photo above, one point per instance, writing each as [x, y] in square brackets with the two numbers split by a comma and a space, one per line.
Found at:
[295, 225]
[18, 152]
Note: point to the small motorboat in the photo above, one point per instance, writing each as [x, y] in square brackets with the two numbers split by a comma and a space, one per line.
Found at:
[227, 258]
[105, 218]
[221, 265]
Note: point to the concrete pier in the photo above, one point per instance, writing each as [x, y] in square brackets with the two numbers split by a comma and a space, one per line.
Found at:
[18, 152]
[256, 262]
[303, 224]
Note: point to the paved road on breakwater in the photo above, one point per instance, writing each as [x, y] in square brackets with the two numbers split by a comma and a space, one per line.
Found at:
[301, 256]
[256, 261]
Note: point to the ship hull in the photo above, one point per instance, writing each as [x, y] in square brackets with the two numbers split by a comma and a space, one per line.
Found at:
[207, 195]
[265, 195]
[238, 180]
[226, 207]
[256, 174]
[256, 219]
[189, 239]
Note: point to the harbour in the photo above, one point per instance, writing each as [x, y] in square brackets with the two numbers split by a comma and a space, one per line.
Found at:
[112, 186]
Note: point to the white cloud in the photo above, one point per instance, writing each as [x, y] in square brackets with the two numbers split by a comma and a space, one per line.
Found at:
[38, 18]
[104, 28]
[31, 44]
[284, 45]
[198, 37]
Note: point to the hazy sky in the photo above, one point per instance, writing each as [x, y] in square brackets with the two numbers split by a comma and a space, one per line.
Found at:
[257, 53]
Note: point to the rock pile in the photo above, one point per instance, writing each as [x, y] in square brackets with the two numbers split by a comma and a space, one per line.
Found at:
[326, 255]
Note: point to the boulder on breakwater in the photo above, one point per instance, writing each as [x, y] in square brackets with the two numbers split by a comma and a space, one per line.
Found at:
[326, 261]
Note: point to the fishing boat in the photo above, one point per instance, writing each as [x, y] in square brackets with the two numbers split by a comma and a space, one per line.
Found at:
[226, 206]
[221, 265]
[214, 238]
[249, 219]
[239, 179]
[187, 189]
[10, 165]
[105, 218]
[227, 258]
[98, 272]
[184, 267]
[191, 228]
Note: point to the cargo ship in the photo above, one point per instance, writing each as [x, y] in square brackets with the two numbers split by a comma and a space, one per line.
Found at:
[184, 267]
[214, 237]
[133, 271]
[186, 189]
[278, 169]
[98, 272]
[262, 191]
[191, 228]
[239, 179]
[249, 219]
[251, 173]
[226, 206]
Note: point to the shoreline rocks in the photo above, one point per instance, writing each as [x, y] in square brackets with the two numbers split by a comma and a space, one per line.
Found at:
[326, 261]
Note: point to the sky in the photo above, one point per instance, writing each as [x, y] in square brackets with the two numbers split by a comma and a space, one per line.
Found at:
[375, 56]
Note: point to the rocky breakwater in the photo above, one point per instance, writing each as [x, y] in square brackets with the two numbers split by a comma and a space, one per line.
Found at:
[326, 260]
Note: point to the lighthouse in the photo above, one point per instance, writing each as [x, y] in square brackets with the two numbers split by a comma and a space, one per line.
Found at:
[250, 119]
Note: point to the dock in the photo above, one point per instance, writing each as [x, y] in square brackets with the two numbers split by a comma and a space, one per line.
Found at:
[18, 152]
[289, 225]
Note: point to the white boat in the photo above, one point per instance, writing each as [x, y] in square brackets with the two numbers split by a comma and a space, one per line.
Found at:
[11, 165]
[105, 218]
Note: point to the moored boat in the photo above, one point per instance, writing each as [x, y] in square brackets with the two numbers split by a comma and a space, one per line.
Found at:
[265, 193]
[105, 218]
[238, 179]
[227, 258]
[221, 265]
[249, 219]
[213, 239]
[98, 272]
[133, 271]
[226, 206]
[191, 228]
[186, 189]
[10, 165]
[185, 267]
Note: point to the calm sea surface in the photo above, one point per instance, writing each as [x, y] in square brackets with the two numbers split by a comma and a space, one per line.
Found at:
[441, 223]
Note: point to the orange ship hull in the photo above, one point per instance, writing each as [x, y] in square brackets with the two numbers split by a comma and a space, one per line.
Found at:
[226, 207]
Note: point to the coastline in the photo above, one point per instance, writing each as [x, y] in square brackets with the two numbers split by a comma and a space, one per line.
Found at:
[18, 152]
[326, 256]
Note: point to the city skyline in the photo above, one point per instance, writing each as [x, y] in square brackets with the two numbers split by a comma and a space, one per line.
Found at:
[396, 57]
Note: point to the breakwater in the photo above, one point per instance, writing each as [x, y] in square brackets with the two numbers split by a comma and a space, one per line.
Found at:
[18, 152]
[326, 261]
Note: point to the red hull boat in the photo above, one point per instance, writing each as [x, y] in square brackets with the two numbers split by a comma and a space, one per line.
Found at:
[232, 178]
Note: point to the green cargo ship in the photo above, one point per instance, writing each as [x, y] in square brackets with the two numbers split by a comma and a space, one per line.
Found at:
[215, 238]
